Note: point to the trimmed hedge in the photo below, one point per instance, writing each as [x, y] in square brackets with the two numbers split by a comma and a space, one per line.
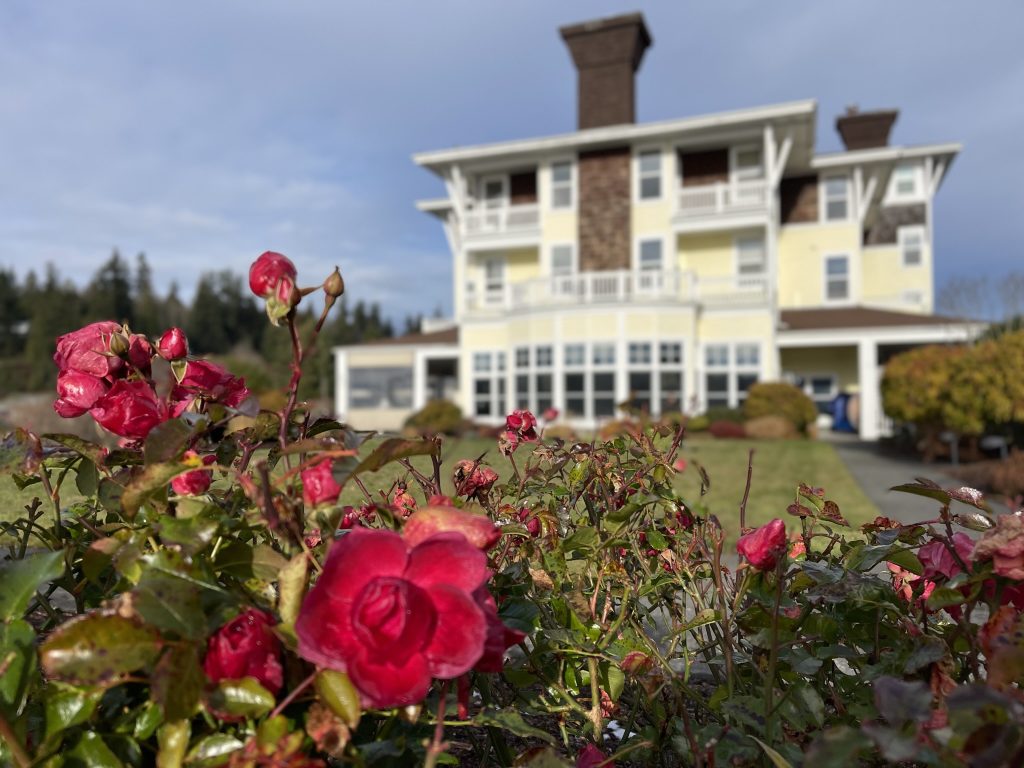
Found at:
[438, 417]
[777, 398]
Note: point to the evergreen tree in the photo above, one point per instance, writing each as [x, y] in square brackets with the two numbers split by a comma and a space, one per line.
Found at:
[146, 306]
[12, 315]
[173, 313]
[54, 310]
[109, 294]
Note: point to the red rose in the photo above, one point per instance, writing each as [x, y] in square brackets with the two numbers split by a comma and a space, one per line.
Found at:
[429, 521]
[246, 647]
[550, 414]
[77, 393]
[87, 350]
[471, 479]
[394, 617]
[499, 636]
[197, 481]
[207, 380]
[318, 485]
[764, 546]
[173, 345]
[272, 277]
[523, 425]
[140, 353]
[938, 561]
[130, 409]
[592, 757]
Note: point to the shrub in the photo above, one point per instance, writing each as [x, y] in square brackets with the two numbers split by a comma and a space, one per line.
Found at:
[438, 417]
[771, 428]
[727, 429]
[724, 413]
[698, 423]
[560, 432]
[617, 427]
[1008, 475]
[777, 398]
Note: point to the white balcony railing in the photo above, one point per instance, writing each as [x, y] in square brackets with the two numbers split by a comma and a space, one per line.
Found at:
[722, 198]
[500, 220]
[620, 287]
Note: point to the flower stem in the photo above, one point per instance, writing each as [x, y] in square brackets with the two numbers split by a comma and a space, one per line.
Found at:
[292, 696]
[18, 754]
[437, 744]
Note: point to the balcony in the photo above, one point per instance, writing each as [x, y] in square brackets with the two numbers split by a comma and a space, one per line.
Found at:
[724, 203]
[502, 224]
[619, 287]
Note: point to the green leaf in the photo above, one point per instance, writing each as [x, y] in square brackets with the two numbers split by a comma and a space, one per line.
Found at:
[150, 483]
[907, 560]
[395, 448]
[147, 720]
[177, 682]
[98, 556]
[166, 441]
[172, 741]
[212, 750]
[945, 597]
[706, 616]
[340, 696]
[91, 752]
[510, 720]
[777, 760]
[22, 578]
[241, 698]
[291, 587]
[927, 651]
[93, 452]
[18, 657]
[98, 647]
[87, 478]
[67, 706]
[838, 747]
[583, 539]
[192, 534]
[899, 701]
[657, 540]
[543, 758]
[974, 521]
[170, 604]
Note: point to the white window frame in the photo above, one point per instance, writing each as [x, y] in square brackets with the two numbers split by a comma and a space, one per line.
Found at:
[638, 245]
[823, 199]
[803, 382]
[917, 173]
[739, 174]
[574, 266]
[552, 184]
[482, 199]
[826, 278]
[639, 176]
[732, 369]
[737, 245]
[495, 372]
[902, 235]
[494, 297]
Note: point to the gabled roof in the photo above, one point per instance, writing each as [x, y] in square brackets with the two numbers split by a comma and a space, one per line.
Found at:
[858, 317]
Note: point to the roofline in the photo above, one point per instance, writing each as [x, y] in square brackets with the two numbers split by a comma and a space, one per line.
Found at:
[883, 154]
[627, 132]
[434, 205]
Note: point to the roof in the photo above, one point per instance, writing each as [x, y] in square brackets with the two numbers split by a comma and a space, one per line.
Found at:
[858, 317]
[446, 336]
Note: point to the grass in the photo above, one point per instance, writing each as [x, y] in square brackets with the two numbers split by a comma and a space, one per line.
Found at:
[779, 466]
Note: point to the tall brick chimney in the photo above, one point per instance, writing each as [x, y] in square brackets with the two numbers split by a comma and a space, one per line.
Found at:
[607, 54]
[865, 130]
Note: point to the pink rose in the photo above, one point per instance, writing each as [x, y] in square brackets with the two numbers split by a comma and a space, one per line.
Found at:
[129, 409]
[679, 465]
[318, 484]
[763, 547]
[208, 381]
[87, 350]
[430, 521]
[140, 353]
[173, 345]
[523, 425]
[77, 392]
[197, 481]
[592, 757]
[272, 277]
[393, 617]
[246, 647]
[1004, 546]
[550, 414]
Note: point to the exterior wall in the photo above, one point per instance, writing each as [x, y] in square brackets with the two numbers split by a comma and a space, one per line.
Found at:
[652, 218]
[560, 225]
[802, 252]
[382, 419]
[521, 264]
[888, 282]
[378, 357]
[709, 255]
[604, 233]
[375, 357]
[811, 361]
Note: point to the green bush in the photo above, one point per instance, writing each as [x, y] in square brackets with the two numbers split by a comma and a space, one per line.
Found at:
[438, 417]
[723, 413]
[699, 423]
[777, 398]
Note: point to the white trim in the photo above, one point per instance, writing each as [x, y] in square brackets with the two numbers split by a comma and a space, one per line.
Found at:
[590, 137]
[735, 149]
[882, 154]
[340, 383]
[482, 200]
[848, 298]
[762, 238]
[638, 239]
[419, 369]
[903, 334]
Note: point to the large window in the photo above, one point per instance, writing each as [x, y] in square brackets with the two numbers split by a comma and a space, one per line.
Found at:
[836, 198]
[655, 377]
[716, 375]
[911, 241]
[589, 380]
[380, 387]
[729, 373]
[748, 368]
[575, 361]
[837, 278]
[494, 280]
[563, 259]
[561, 185]
[489, 384]
[649, 175]
[534, 380]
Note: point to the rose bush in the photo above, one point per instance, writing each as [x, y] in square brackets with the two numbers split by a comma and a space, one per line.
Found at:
[229, 587]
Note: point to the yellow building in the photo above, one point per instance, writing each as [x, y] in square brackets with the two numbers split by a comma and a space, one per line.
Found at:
[669, 265]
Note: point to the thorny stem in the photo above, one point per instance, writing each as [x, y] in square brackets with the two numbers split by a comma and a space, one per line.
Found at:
[54, 495]
[437, 744]
[293, 385]
[773, 657]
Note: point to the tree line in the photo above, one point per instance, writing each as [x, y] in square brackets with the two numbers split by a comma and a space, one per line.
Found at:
[223, 319]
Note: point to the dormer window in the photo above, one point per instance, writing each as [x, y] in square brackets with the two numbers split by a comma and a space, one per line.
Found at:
[561, 186]
[836, 198]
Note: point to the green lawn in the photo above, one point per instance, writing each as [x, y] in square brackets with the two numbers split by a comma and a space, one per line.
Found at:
[779, 466]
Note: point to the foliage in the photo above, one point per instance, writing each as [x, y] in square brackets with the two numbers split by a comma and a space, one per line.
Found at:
[231, 612]
[727, 429]
[437, 417]
[770, 428]
[698, 423]
[778, 398]
[724, 413]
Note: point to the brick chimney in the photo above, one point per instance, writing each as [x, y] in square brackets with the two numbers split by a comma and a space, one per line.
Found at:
[607, 54]
[865, 130]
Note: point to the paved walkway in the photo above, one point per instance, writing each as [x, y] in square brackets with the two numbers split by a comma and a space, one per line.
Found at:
[877, 472]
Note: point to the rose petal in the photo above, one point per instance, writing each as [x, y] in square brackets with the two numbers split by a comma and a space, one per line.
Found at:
[382, 684]
[447, 558]
[458, 640]
[324, 630]
[431, 520]
[360, 556]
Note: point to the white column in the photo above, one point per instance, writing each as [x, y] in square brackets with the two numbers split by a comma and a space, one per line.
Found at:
[419, 380]
[870, 391]
[340, 384]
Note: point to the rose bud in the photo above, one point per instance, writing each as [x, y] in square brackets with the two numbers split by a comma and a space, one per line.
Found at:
[140, 353]
[197, 481]
[523, 425]
[429, 521]
[130, 409]
[87, 350]
[173, 345]
[246, 647]
[334, 285]
[272, 277]
[763, 547]
[318, 485]
[592, 757]
[77, 393]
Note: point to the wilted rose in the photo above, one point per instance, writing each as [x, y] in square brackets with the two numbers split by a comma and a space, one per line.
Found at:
[1004, 546]
[129, 409]
[764, 546]
[523, 425]
[394, 617]
[77, 392]
[318, 484]
[173, 345]
[87, 350]
[207, 381]
[471, 479]
[939, 562]
[246, 647]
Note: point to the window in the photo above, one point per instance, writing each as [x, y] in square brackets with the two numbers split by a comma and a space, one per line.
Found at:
[534, 385]
[522, 378]
[748, 367]
[730, 372]
[489, 384]
[837, 278]
[494, 281]
[604, 354]
[649, 255]
[747, 164]
[544, 380]
[836, 198]
[639, 353]
[905, 181]
[380, 387]
[563, 261]
[716, 378]
[751, 259]
[574, 355]
[561, 185]
[911, 241]
[575, 381]
[589, 389]
[649, 175]
[821, 388]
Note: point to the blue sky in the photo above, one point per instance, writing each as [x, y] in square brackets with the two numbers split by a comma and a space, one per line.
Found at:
[206, 132]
